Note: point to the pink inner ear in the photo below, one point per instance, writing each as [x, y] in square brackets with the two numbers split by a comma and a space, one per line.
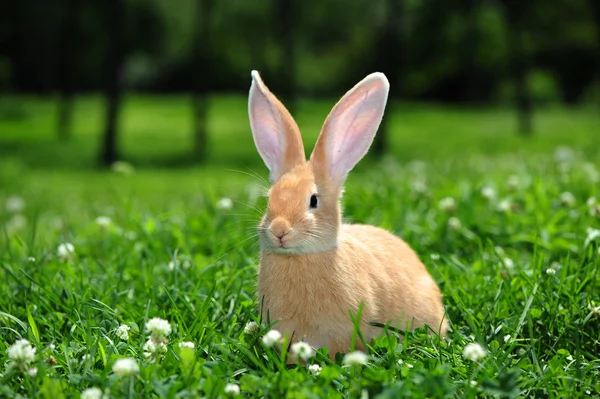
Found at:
[266, 127]
[353, 124]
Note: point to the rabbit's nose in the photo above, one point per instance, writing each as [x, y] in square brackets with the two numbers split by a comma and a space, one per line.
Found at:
[279, 228]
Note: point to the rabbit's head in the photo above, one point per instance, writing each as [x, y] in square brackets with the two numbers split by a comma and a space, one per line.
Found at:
[303, 214]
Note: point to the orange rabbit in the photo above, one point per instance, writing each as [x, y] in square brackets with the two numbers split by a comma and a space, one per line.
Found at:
[314, 270]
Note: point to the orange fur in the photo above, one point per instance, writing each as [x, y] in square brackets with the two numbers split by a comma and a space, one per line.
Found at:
[315, 270]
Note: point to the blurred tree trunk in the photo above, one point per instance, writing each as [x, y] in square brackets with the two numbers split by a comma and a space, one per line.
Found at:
[116, 9]
[519, 63]
[202, 60]
[389, 59]
[595, 7]
[66, 67]
[285, 10]
[469, 50]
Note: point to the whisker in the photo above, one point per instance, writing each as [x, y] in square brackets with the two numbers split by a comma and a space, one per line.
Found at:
[253, 174]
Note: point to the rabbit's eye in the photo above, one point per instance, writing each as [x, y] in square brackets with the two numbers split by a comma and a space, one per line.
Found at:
[313, 201]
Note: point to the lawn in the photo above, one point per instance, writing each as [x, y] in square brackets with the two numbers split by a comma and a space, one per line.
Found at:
[508, 227]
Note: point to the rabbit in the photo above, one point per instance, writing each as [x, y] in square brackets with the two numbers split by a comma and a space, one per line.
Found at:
[313, 269]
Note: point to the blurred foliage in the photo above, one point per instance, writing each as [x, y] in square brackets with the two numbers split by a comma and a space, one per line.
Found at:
[451, 50]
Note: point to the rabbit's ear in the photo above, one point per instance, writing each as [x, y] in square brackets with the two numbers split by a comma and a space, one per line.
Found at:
[275, 132]
[350, 128]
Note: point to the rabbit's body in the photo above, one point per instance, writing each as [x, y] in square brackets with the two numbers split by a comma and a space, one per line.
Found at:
[311, 294]
[314, 270]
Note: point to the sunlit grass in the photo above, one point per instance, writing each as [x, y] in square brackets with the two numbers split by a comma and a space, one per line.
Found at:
[516, 258]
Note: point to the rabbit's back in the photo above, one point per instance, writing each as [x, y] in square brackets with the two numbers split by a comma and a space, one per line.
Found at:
[408, 290]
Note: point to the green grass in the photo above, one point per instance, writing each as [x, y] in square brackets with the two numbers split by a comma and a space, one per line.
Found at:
[156, 131]
[523, 281]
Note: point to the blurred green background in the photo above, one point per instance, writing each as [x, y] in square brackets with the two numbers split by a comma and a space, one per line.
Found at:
[124, 132]
[162, 85]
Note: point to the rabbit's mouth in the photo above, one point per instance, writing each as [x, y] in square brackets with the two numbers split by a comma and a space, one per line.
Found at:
[286, 244]
[286, 247]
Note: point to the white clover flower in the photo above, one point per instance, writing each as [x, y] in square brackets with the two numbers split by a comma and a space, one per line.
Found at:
[401, 363]
[591, 201]
[271, 338]
[122, 167]
[551, 271]
[103, 221]
[507, 338]
[504, 206]
[454, 223]
[65, 250]
[14, 204]
[564, 154]
[513, 182]
[555, 265]
[302, 350]
[474, 352]
[356, 358]
[91, 393]
[232, 389]
[186, 344]
[172, 265]
[593, 308]
[567, 199]
[593, 174]
[158, 327]
[16, 223]
[31, 259]
[416, 166]
[126, 367]
[153, 347]
[508, 263]
[434, 256]
[488, 192]
[130, 235]
[21, 352]
[473, 383]
[251, 328]
[225, 204]
[32, 371]
[592, 234]
[419, 186]
[123, 332]
[315, 369]
[447, 204]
